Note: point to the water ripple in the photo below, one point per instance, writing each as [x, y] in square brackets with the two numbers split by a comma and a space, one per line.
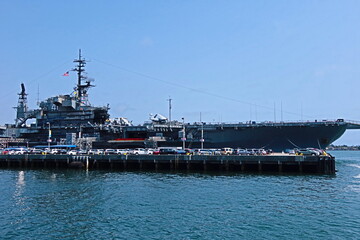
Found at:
[136, 205]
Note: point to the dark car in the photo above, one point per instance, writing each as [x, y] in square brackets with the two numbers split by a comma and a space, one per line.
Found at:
[167, 151]
[241, 151]
[180, 151]
[36, 151]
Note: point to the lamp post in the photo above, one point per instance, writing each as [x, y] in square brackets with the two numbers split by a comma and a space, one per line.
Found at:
[202, 133]
[49, 137]
[183, 134]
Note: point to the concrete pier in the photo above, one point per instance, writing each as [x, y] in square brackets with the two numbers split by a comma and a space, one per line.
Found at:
[222, 163]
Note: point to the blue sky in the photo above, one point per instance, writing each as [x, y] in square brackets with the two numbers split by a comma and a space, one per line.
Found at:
[230, 60]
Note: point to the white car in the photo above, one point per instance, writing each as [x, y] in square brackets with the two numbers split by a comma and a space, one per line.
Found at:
[92, 152]
[55, 151]
[227, 151]
[19, 151]
[122, 151]
[203, 152]
[139, 151]
[72, 152]
[150, 151]
[110, 151]
[36, 151]
[99, 151]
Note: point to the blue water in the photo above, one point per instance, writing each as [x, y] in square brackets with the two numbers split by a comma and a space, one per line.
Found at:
[79, 204]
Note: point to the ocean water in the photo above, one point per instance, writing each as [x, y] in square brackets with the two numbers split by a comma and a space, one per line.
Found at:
[79, 204]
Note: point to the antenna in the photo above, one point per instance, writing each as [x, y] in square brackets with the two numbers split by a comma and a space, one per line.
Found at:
[82, 89]
[274, 112]
[169, 109]
[255, 112]
[38, 96]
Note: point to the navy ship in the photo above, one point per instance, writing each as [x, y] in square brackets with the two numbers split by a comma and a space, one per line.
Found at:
[71, 119]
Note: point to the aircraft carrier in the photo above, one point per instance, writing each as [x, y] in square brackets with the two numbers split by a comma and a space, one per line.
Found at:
[71, 119]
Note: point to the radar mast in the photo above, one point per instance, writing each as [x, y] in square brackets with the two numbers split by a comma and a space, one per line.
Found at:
[83, 83]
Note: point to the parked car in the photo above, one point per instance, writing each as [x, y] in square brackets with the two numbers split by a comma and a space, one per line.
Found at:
[180, 151]
[308, 152]
[92, 152]
[82, 152]
[121, 151]
[36, 151]
[150, 151]
[215, 151]
[167, 151]
[317, 152]
[156, 151]
[14, 150]
[53, 151]
[109, 151]
[261, 151]
[243, 152]
[73, 152]
[99, 151]
[202, 152]
[227, 151]
[252, 151]
[5, 151]
[290, 151]
[18, 151]
[58, 151]
[139, 151]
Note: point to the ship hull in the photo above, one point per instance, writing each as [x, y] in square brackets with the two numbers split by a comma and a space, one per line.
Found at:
[275, 137]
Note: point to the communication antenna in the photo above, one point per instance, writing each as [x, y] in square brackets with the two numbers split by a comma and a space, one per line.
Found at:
[82, 88]
[169, 109]
[38, 96]
[274, 112]
[255, 112]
